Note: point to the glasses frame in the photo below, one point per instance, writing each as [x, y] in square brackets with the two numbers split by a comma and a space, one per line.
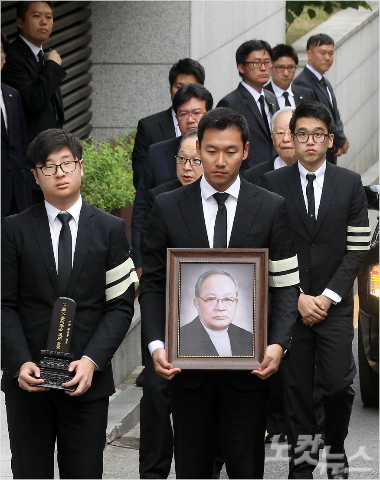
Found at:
[311, 134]
[190, 160]
[256, 63]
[56, 168]
[281, 68]
[222, 300]
[186, 115]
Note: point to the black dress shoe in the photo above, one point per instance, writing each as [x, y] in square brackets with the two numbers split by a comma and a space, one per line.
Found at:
[140, 378]
[321, 443]
[269, 438]
[341, 473]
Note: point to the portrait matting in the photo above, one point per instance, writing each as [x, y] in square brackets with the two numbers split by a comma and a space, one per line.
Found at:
[216, 308]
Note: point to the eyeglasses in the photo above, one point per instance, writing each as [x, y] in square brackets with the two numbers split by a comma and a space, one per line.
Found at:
[318, 137]
[282, 134]
[281, 68]
[213, 301]
[194, 162]
[258, 63]
[185, 115]
[66, 167]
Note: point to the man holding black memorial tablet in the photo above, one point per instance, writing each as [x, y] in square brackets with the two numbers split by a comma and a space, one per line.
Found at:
[63, 247]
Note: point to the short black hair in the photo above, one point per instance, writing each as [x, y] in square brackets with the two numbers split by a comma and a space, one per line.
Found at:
[312, 110]
[5, 42]
[243, 52]
[319, 39]
[282, 50]
[222, 118]
[193, 90]
[187, 66]
[23, 7]
[50, 141]
[209, 273]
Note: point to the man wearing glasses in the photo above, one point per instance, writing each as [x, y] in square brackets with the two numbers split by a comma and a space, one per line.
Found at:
[328, 211]
[284, 66]
[250, 99]
[212, 333]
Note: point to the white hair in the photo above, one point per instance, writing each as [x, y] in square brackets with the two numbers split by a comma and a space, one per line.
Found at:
[278, 113]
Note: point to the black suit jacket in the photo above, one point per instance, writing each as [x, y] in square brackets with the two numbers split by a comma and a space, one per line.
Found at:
[153, 129]
[177, 221]
[307, 79]
[261, 147]
[40, 92]
[301, 94]
[30, 288]
[159, 168]
[195, 341]
[256, 174]
[15, 171]
[328, 255]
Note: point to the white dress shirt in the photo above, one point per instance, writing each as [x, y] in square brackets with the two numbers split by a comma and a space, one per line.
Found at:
[210, 209]
[36, 50]
[55, 225]
[256, 95]
[280, 99]
[176, 127]
[318, 187]
[221, 341]
[319, 76]
[3, 109]
[279, 163]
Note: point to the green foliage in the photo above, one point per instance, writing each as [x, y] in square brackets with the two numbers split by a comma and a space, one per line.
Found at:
[295, 9]
[107, 181]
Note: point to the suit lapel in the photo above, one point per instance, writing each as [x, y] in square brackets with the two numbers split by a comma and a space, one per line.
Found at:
[328, 191]
[246, 211]
[167, 125]
[86, 228]
[171, 152]
[319, 86]
[9, 108]
[252, 105]
[40, 225]
[293, 182]
[192, 211]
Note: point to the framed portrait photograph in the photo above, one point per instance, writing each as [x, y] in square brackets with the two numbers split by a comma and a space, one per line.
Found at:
[216, 308]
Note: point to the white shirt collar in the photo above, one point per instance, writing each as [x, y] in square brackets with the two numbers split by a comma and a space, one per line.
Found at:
[279, 91]
[33, 47]
[255, 94]
[279, 163]
[208, 191]
[317, 74]
[74, 210]
[176, 126]
[319, 174]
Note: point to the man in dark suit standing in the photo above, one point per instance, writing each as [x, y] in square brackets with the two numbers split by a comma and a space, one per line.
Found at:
[253, 59]
[320, 54]
[329, 217]
[190, 103]
[15, 174]
[284, 66]
[219, 210]
[283, 143]
[63, 247]
[37, 78]
[164, 125]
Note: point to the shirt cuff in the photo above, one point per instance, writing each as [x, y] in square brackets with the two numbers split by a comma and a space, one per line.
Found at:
[85, 356]
[332, 296]
[154, 345]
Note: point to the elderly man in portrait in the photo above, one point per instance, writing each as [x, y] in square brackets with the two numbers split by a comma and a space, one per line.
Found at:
[212, 333]
[283, 143]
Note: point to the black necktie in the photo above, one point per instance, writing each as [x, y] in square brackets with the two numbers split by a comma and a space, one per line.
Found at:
[41, 59]
[220, 229]
[64, 254]
[263, 113]
[286, 96]
[310, 197]
[322, 81]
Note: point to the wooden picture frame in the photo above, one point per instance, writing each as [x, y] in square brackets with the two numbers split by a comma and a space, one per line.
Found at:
[248, 312]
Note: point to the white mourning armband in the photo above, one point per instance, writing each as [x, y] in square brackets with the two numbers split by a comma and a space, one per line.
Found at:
[358, 238]
[119, 279]
[284, 273]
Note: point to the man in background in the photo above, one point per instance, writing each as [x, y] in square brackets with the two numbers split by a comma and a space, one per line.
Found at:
[320, 54]
[15, 171]
[284, 66]
[164, 125]
[250, 99]
[34, 75]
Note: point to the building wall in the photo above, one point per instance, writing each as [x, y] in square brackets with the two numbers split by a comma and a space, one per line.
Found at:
[135, 44]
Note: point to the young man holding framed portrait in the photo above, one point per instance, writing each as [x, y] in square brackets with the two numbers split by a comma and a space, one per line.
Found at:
[225, 408]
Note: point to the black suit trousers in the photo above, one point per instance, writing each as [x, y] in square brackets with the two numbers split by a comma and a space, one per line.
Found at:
[332, 339]
[156, 434]
[218, 414]
[36, 421]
